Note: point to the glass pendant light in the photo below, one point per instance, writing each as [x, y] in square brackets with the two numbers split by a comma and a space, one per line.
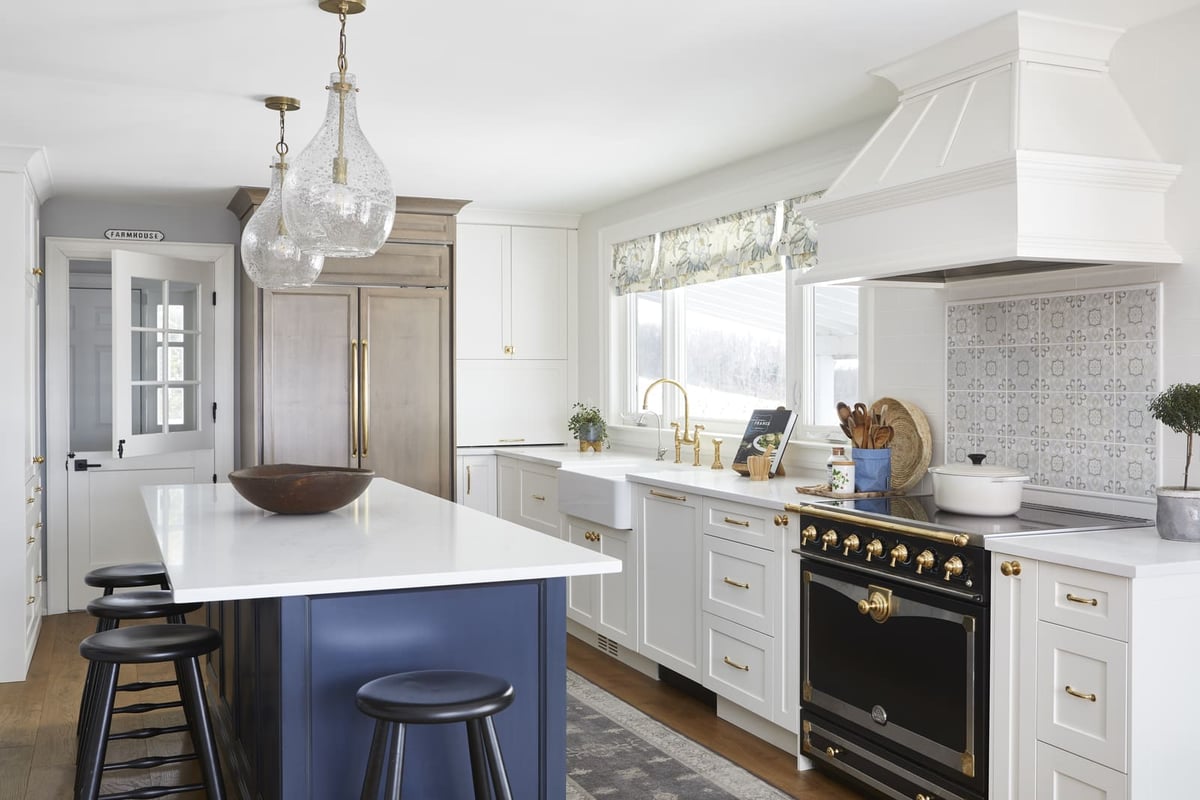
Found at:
[337, 197]
[272, 258]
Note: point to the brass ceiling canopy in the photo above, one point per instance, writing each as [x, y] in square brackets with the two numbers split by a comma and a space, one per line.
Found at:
[343, 6]
[279, 103]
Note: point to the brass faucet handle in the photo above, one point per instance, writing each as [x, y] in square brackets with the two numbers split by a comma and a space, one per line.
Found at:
[678, 441]
[696, 446]
[696, 435]
[717, 453]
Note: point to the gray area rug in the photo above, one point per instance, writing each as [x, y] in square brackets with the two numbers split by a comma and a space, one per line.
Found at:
[615, 752]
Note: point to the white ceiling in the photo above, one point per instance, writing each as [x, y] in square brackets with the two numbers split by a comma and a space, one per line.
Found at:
[535, 105]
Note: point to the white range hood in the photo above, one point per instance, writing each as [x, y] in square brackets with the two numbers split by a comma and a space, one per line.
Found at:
[1012, 150]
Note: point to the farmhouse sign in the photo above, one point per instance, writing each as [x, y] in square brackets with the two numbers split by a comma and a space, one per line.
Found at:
[123, 235]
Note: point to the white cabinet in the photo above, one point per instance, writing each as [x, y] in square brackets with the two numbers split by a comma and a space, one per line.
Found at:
[511, 333]
[476, 484]
[527, 494]
[1087, 700]
[607, 604]
[22, 584]
[668, 534]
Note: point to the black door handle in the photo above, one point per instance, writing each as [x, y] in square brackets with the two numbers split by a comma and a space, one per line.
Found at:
[82, 465]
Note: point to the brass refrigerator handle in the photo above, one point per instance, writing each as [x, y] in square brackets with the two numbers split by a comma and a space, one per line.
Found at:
[354, 398]
[366, 397]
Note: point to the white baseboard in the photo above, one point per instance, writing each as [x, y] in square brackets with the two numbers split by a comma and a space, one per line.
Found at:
[621, 653]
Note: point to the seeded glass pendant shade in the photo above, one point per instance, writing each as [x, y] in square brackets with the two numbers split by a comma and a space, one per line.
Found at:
[270, 256]
[337, 197]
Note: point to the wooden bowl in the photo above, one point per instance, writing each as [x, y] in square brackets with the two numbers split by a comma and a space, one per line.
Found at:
[300, 488]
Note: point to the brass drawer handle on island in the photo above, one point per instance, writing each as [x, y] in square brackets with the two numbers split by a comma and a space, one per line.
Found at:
[680, 497]
[1086, 601]
[1089, 696]
[736, 665]
[744, 523]
[738, 584]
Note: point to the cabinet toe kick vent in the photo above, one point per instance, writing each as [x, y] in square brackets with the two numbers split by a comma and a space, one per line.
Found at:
[608, 645]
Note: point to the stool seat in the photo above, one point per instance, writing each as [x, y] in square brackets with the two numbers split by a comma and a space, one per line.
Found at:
[145, 644]
[434, 696]
[139, 604]
[122, 576]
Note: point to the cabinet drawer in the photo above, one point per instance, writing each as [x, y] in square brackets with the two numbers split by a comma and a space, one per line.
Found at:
[1082, 694]
[1086, 600]
[740, 584]
[1063, 776]
[740, 523]
[539, 500]
[34, 585]
[737, 663]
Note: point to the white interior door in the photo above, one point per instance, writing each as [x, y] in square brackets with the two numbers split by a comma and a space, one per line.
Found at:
[136, 358]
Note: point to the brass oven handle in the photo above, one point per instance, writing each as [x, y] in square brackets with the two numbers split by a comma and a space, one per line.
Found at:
[366, 397]
[1081, 695]
[1087, 601]
[679, 497]
[744, 523]
[354, 398]
[956, 539]
[736, 665]
[732, 582]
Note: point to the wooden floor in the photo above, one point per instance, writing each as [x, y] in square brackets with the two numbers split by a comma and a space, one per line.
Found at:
[37, 723]
[694, 719]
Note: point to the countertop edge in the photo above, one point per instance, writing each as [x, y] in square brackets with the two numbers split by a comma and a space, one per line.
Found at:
[1142, 552]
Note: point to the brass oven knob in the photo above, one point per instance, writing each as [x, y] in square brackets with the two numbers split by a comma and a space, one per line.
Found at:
[850, 543]
[899, 553]
[874, 549]
[924, 561]
[809, 534]
[953, 567]
[1010, 568]
[830, 539]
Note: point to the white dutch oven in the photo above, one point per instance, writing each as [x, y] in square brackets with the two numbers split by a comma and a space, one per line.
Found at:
[977, 489]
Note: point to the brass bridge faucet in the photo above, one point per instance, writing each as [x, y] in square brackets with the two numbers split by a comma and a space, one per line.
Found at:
[687, 438]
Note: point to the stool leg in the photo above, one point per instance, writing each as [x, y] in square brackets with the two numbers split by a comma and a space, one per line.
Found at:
[395, 764]
[87, 699]
[495, 762]
[191, 690]
[89, 767]
[479, 776]
[370, 789]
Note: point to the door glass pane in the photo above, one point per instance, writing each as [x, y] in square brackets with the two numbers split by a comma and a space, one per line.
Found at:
[145, 360]
[145, 302]
[181, 407]
[146, 409]
[835, 350]
[90, 356]
[649, 349]
[735, 345]
[182, 306]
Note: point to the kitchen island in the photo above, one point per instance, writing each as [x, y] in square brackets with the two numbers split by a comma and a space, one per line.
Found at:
[312, 607]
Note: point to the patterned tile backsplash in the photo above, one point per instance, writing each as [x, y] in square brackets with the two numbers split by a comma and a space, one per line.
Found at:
[1057, 386]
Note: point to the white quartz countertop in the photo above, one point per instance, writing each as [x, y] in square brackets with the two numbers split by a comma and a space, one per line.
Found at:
[1131, 552]
[217, 546]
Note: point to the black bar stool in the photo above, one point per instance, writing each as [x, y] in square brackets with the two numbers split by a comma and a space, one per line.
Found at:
[435, 697]
[109, 610]
[128, 576]
[146, 644]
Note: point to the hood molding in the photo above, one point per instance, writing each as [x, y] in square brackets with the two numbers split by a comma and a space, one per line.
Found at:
[1023, 160]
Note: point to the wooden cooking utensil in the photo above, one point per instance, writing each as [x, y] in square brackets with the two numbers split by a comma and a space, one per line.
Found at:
[882, 436]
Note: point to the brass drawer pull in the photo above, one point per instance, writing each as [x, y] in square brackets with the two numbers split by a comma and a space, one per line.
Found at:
[732, 582]
[744, 523]
[29, 500]
[30, 539]
[541, 498]
[30, 600]
[510, 441]
[468, 478]
[37, 525]
[679, 497]
[1087, 601]
[1081, 695]
[736, 665]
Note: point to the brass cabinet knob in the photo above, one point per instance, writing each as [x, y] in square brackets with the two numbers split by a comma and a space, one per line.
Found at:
[850, 544]
[874, 549]
[781, 520]
[809, 534]
[924, 561]
[830, 539]
[39, 459]
[1010, 568]
[953, 567]
[899, 553]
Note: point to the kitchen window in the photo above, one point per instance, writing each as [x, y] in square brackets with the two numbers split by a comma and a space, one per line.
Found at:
[740, 336]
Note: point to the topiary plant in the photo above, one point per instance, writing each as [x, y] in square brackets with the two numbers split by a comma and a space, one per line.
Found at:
[1178, 407]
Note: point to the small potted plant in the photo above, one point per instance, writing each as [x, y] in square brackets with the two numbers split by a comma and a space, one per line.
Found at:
[588, 426]
[1178, 514]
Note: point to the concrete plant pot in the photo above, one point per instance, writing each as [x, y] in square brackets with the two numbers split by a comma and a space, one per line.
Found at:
[1178, 516]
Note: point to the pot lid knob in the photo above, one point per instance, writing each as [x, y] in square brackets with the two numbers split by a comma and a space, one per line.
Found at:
[977, 458]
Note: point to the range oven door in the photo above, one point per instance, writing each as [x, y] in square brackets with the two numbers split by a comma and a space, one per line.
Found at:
[903, 666]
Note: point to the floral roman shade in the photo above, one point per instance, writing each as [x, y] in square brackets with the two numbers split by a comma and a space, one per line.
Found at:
[757, 240]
